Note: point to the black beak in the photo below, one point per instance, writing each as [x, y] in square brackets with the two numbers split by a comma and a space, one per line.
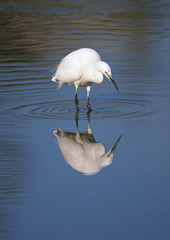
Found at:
[113, 81]
[114, 147]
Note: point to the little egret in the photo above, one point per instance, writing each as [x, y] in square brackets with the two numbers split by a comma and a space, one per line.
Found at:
[82, 68]
[82, 152]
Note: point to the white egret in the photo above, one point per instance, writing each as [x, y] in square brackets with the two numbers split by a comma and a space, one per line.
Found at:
[82, 68]
[82, 152]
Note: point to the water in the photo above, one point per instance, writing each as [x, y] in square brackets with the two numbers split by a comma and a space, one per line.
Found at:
[43, 192]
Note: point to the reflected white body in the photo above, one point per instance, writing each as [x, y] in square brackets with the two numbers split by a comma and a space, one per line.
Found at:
[82, 152]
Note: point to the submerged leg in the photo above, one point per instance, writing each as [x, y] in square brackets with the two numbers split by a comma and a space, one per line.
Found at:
[76, 99]
[88, 93]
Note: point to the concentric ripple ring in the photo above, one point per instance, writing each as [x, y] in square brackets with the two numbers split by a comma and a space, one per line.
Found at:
[101, 109]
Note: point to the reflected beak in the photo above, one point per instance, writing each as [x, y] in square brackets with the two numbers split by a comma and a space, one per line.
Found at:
[114, 147]
[112, 80]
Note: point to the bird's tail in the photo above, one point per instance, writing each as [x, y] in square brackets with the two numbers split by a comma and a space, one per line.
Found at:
[60, 84]
[54, 79]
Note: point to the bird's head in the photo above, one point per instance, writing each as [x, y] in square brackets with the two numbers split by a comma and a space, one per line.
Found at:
[106, 70]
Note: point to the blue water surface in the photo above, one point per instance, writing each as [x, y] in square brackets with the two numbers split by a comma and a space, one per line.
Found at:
[45, 193]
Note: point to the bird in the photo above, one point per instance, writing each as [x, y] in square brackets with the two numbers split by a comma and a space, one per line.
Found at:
[82, 152]
[82, 67]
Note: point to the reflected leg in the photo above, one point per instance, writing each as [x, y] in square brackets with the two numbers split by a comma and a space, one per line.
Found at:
[77, 119]
[88, 99]
[77, 125]
[88, 118]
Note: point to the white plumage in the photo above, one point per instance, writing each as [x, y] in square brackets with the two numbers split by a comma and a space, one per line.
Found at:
[82, 68]
[82, 152]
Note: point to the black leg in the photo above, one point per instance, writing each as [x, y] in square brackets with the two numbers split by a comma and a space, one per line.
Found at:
[88, 105]
[76, 102]
[88, 115]
[77, 119]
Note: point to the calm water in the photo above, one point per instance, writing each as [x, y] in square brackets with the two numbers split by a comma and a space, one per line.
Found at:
[47, 191]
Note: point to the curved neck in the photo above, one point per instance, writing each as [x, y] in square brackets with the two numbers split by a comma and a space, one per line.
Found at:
[100, 65]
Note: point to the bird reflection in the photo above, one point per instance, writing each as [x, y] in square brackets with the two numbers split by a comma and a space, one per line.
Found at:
[82, 152]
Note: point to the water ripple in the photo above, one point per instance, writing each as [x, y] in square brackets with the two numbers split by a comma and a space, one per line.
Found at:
[102, 109]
